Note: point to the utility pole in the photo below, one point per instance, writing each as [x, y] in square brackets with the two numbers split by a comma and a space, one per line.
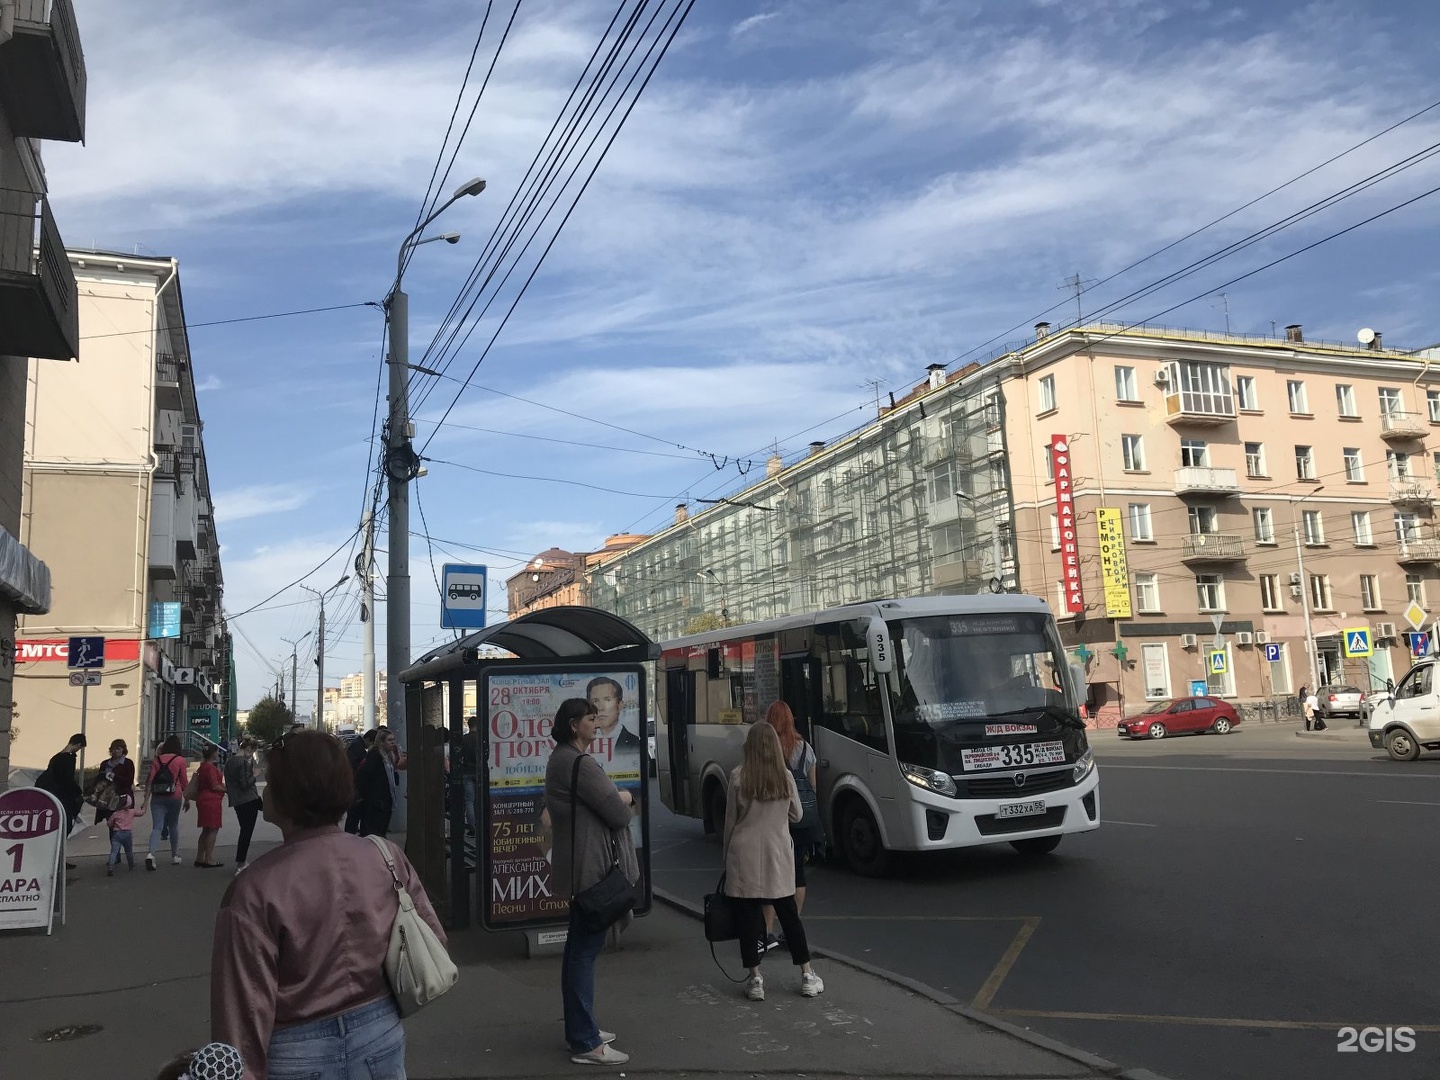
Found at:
[320, 675]
[294, 690]
[367, 616]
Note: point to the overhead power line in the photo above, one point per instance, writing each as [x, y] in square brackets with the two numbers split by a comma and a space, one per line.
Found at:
[243, 319]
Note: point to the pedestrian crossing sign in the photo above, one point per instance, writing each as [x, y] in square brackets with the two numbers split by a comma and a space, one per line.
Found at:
[1357, 641]
[1219, 662]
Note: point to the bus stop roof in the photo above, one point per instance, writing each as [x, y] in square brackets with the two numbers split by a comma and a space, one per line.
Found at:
[550, 634]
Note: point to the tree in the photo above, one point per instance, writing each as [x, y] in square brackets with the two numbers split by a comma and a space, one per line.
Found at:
[706, 621]
[269, 719]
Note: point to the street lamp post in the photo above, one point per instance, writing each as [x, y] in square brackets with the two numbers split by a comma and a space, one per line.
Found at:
[1305, 592]
[294, 663]
[320, 652]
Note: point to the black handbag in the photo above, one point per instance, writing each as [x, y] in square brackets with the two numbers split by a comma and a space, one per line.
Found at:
[611, 898]
[720, 915]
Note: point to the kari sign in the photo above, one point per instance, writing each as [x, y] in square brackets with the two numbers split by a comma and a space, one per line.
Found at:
[516, 848]
[1065, 513]
[57, 650]
[32, 842]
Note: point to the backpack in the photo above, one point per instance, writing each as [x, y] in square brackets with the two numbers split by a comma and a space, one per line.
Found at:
[163, 784]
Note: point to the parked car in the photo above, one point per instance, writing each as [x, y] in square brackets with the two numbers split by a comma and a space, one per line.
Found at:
[1369, 700]
[1340, 701]
[1180, 715]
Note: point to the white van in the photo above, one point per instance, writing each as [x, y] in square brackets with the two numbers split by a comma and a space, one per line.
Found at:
[1407, 721]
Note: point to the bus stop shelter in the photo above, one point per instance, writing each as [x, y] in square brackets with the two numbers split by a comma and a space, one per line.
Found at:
[579, 639]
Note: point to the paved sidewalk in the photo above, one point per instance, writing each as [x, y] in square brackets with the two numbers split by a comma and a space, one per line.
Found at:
[133, 964]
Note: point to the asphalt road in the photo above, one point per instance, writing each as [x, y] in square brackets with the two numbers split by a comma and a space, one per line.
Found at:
[1246, 897]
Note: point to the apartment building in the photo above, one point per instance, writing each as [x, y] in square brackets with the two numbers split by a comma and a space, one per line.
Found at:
[42, 96]
[117, 497]
[556, 577]
[1217, 489]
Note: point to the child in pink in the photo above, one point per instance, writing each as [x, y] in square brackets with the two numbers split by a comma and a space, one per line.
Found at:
[121, 822]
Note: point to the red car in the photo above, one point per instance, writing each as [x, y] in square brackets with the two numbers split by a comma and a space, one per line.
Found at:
[1187, 714]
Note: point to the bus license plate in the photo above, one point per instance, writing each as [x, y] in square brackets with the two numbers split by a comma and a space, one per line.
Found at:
[1012, 756]
[1021, 809]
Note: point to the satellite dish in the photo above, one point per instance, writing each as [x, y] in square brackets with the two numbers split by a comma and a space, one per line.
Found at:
[1365, 336]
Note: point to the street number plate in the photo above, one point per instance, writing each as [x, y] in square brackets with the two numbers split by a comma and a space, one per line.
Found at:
[1021, 809]
[1012, 756]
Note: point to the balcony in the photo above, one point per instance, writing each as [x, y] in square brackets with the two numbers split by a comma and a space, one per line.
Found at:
[1198, 408]
[1411, 493]
[167, 385]
[39, 314]
[954, 572]
[1213, 548]
[1194, 480]
[1401, 426]
[1414, 552]
[42, 73]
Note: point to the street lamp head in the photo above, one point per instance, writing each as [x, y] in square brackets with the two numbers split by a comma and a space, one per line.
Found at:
[470, 187]
[449, 237]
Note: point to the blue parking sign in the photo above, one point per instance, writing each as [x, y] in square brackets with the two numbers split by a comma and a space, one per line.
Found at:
[1272, 653]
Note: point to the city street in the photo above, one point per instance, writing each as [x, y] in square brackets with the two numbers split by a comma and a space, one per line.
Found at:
[1246, 897]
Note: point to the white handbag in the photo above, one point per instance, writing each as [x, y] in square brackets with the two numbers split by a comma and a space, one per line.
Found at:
[416, 963]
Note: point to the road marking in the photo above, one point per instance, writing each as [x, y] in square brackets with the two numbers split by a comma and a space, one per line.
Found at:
[1197, 1021]
[1282, 772]
[1002, 969]
[1402, 802]
[1137, 824]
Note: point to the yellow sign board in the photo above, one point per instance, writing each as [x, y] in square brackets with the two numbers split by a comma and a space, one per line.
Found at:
[1113, 572]
[1357, 641]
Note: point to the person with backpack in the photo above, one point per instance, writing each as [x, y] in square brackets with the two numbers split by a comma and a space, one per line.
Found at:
[165, 789]
[807, 833]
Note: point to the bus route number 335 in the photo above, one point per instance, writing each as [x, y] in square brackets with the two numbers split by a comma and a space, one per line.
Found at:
[1011, 756]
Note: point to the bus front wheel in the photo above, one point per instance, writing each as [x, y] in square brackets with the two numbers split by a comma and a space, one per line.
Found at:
[715, 810]
[860, 841]
[1036, 845]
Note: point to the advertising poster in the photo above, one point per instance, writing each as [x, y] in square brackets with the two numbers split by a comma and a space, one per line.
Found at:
[32, 839]
[1065, 515]
[519, 711]
[1114, 573]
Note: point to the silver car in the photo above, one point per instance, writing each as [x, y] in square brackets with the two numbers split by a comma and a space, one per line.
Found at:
[1339, 701]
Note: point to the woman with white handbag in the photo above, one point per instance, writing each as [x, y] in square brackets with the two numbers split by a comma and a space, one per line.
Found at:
[307, 976]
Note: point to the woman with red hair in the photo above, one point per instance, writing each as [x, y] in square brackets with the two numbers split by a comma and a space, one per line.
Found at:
[806, 833]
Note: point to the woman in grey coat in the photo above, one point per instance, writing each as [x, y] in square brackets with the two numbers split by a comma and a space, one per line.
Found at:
[760, 857]
[244, 796]
[590, 821]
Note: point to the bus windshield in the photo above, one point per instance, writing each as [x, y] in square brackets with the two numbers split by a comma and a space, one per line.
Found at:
[963, 678]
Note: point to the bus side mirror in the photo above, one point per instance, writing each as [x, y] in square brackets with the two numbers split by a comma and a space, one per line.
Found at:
[877, 637]
[1077, 679]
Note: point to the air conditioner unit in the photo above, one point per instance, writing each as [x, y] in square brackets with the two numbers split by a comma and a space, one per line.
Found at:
[1187, 641]
[1262, 637]
[1162, 377]
[1385, 630]
[1243, 637]
[1294, 578]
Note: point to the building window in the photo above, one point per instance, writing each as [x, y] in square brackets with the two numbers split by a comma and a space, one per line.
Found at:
[1295, 392]
[1147, 592]
[940, 481]
[1270, 592]
[1156, 671]
[1369, 592]
[1054, 532]
[1304, 463]
[1202, 388]
[1415, 588]
[1432, 402]
[1047, 394]
[1407, 528]
[1255, 459]
[1280, 672]
[1397, 465]
[1345, 399]
[1360, 524]
[1125, 383]
[1245, 392]
[1320, 592]
[1264, 525]
[1132, 447]
[1354, 467]
[1314, 527]
[1194, 453]
[1049, 464]
[1210, 592]
[1389, 401]
[1202, 520]
[1436, 457]
[1140, 522]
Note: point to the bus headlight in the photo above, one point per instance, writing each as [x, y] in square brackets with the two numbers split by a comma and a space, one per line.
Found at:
[1083, 764]
[929, 778]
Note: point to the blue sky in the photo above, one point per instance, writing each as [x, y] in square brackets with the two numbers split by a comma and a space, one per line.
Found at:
[810, 195]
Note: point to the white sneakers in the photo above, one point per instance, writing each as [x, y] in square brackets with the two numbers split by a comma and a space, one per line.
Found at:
[149, 862]
[811, 985]
[755, 988]
[175, 860]
[604, 1054]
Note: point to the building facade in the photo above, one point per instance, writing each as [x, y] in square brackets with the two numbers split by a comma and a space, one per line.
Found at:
[556, 578]
[117, 497]
[42, 96]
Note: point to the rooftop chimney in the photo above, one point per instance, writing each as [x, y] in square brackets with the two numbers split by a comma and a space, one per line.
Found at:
[1042, 330]
[937, 376]
[774, 466]
[816, 447]
[682, 514]
[1294, 333]
[1376, 345]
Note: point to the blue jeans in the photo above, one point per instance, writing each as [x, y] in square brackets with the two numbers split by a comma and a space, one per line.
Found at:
[471, 813]
[367, 1043]
[121, 840]
[577, 986]
[165, 812]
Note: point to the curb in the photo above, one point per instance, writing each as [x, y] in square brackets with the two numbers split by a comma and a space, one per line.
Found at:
[1347, 735]
[939, 997]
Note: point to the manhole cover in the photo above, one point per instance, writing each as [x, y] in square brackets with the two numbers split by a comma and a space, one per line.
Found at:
[69, 1033]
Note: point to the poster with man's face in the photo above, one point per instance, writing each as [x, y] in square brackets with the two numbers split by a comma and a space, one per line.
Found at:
[519, 713]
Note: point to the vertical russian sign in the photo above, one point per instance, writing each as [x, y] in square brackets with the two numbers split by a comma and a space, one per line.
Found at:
[1114, 573]
[1065, 513]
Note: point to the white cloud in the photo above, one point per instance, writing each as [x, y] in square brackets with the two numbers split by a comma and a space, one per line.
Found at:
[254, 501]
[744, 26]
[211, 382]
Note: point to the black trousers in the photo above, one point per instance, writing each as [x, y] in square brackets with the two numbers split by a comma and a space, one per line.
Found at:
[352, 819]
[247, 813]
[750, 921]
[374, 820]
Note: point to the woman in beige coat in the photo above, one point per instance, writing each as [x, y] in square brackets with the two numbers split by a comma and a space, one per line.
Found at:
[760, 857]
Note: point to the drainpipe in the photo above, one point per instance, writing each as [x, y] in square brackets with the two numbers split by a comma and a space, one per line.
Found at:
[7, 20]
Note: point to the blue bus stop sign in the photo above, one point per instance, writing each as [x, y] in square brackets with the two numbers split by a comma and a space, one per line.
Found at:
[462, 596]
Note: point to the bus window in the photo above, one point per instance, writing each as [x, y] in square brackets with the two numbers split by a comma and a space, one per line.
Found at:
[851, 695]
